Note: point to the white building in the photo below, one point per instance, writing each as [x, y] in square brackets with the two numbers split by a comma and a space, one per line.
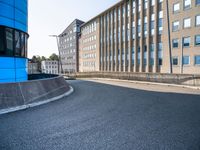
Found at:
[49, 67]
[33, 68]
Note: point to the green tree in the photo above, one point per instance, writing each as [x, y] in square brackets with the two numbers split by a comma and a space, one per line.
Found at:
[54, 57]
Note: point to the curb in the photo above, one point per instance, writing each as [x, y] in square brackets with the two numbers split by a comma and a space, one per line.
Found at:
[23, 107]
[150, 83]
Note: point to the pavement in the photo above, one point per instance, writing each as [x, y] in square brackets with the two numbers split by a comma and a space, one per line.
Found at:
[108, 115]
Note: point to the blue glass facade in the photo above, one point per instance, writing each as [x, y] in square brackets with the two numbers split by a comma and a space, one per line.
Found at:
[13, 40]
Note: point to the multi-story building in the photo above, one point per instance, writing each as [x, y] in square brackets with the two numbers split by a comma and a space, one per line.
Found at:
[89, 46]
[68, 46]
[159, 36]
[33, 68]
[13, 40]
[50, 67]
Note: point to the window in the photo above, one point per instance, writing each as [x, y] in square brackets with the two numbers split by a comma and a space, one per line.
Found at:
[9, 41]
[197, 60]
[175, 26]
[187, 23]
[175, 61]
[198, 20]
[186, 41]
[17, 44]
[176, 7]
[152, 2]
[152, 54]
[197, 40]
[175, 43]
[186, 60]
[160, 53]
[2, 50]
[197, 2]
[187, 4]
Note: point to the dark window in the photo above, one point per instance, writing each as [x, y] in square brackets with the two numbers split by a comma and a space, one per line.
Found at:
[2, 49]
[175, 61]
[198, 2]
[9, 42]
[175, 43]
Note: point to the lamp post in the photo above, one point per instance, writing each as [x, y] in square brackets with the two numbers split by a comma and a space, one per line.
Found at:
[59, 56]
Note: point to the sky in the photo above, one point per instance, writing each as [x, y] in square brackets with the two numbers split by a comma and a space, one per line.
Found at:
[51, 17]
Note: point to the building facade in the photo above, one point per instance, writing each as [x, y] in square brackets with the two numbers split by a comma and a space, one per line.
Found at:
[13, 40]
[158, 36]
[89, 46]
[49, 67]
[33, 68]
[68, 46]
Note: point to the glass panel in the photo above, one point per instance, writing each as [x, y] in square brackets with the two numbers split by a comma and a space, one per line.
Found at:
[2, 49]
[197, 40]
[186, 60]
[17, 44]
[9, 42]
[197, 60]
[22, 45]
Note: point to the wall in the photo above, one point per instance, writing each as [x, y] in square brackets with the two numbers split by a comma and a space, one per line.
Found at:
[183, 79]
[14, 14]
[22, 93]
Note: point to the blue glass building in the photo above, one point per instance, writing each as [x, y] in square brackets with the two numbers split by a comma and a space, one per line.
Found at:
[13, 40]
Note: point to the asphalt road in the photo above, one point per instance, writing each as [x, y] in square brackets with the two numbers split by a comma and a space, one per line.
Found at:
[106, 117]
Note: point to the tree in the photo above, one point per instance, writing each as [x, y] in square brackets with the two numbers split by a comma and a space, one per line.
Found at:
[54, 57]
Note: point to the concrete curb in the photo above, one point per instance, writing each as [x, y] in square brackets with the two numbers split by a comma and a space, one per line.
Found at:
[148, 83]
[13, 109]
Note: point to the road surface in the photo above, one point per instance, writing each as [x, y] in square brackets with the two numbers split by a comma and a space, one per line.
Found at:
[100, 116]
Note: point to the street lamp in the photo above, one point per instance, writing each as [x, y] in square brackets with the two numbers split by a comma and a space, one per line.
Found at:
[59, 56]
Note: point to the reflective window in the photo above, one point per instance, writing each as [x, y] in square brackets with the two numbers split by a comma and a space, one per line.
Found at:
[17, 44]
[186, 41]
[197, 40]
[13, 42]
[187, 23]
[198, 20]
[187, 4]
[152, 54]
[197, 60]
[152, 2]
[9, 41]
[176, 7]
[175, 26]
[186, 60]
[197, 2]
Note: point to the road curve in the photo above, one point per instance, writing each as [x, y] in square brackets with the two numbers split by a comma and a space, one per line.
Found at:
[106, 117]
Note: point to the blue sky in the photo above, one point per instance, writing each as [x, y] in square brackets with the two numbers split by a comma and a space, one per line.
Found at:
[48, 17]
